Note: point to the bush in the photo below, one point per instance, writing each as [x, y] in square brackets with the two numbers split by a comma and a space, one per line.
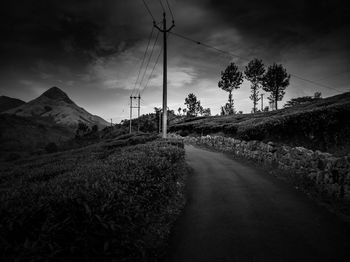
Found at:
[78, 206]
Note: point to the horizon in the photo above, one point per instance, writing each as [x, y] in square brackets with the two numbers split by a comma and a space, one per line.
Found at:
[93, 51]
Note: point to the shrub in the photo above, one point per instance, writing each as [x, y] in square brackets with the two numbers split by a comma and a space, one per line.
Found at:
[78, 206]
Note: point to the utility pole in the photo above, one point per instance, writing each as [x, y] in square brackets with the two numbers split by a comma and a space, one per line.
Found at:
[138, 107]
[138, 113]
[111, 122]
[262, 102]
[160, 121]
[164, 31]
[130, 114]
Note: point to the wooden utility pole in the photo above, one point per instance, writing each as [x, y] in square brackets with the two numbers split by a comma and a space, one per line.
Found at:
[164, 31]
[138, 113]
[138, 107]
[262, 102]
[130, 114]
[160, 121]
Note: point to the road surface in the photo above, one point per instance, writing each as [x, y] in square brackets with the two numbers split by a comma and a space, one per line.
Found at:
[236, 212]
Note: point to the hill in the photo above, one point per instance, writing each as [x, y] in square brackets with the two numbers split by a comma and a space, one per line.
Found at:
[323, 124]
[7, 103]
[28, 134]
[56, 104]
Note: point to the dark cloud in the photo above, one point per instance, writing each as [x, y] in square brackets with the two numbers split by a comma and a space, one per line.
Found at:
[283, 24]
[93, 49]
[52, 29]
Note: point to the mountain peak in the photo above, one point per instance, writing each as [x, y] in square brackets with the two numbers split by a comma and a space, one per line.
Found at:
[55, 93]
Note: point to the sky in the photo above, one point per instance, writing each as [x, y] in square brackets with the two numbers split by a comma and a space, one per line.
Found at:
[93, 50]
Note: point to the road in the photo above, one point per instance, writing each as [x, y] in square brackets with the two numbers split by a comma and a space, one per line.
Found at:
[236, 212]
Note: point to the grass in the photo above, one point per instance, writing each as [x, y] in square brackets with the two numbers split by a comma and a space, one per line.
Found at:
[98, 203]
[320, 125]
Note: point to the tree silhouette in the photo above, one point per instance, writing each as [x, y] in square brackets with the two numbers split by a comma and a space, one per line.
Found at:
[179, 110]
[254, 72]
[231, 79]
[193, 105]
[275, 82]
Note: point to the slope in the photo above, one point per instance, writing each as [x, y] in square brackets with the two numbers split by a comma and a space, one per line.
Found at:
[322, 125]
[56, 104]
[7, 103]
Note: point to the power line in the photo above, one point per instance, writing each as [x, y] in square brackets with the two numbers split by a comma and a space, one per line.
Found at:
[160, 1]
[315, 83]
[149, 78]
[143, 60]
[149, 11]
[149, 59]
[246, 59]
[171, 12]
[208, 46]
[154, 66]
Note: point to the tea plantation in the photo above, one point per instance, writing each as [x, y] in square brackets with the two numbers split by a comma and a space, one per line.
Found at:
[104, 202]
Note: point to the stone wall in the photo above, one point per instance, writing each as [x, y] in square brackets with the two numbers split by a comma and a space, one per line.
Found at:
[329, 174]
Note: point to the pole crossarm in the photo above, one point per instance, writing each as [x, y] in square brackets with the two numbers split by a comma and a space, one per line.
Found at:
[162, 30]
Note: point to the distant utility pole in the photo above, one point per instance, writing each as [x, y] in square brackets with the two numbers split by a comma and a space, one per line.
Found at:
[160, 121]
[262, 102]
[131, 107]
[111, 122]
[138, 113]
[164, 31]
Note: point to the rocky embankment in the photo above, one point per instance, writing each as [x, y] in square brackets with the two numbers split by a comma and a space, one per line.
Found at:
[328, 173]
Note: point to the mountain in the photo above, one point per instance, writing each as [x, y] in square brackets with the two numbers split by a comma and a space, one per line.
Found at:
[7, 103]
[55, 104]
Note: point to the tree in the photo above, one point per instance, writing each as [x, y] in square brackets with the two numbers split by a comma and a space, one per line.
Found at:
[226, 110]
[179, 110]
[231, 79]
[193, 105]
[275, 82]
[298, 101]
[206, 112]
[317, 95]
[303, 100]
[254, 72]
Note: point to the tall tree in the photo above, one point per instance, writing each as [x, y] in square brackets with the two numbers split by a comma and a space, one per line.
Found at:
[231, 79]
[254, 72]
[206, 112]
[193, 105]
[275, 82]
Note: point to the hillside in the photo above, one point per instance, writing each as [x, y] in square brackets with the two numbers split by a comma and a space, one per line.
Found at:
[323, 125]
[92, 204]
[56, 104]
[7, 103]
[29, 134]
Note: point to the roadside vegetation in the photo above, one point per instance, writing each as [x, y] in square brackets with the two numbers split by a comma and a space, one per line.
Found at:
[321, 124]
[109, 201]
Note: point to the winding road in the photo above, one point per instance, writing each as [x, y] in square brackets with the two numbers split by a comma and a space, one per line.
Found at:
[236, 212]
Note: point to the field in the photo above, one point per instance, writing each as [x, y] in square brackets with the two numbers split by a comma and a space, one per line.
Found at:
[320, 125]
[105, 202]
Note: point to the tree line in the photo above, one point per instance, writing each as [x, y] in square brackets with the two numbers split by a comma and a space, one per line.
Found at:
[272, 80]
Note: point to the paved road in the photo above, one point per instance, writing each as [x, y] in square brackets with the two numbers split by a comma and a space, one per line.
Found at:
[238, 213]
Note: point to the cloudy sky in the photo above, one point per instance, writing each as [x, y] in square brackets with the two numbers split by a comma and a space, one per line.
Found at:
[92, 49]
